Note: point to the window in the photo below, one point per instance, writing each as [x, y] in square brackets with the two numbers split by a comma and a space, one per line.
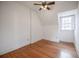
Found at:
[66, 23]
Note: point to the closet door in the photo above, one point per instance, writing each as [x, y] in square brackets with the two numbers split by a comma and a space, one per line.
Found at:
[21, 23]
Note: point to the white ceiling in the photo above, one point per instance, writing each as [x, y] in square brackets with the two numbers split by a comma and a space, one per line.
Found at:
[50, 17]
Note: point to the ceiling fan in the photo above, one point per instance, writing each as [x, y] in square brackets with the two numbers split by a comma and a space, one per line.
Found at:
[44, 5]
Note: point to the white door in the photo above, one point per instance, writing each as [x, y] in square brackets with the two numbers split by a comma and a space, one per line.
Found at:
[66, 27]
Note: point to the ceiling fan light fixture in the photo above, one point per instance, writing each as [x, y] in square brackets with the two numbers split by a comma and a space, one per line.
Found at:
[44, 7]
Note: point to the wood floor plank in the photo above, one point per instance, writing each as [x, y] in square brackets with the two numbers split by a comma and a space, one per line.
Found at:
[44, 49]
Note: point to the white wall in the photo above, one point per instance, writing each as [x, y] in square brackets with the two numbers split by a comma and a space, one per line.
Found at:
[15, 26]
[50, 33]
[77, 31]
[50, 18]
[36, 28]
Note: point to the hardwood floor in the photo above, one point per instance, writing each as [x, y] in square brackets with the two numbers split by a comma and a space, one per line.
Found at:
[44, 49]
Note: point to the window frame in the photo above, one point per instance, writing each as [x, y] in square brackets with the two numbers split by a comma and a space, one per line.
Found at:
[60, 22]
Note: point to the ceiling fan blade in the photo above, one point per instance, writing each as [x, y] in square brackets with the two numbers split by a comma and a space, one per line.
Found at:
[50, 3]
[36, 4]
[44, 3]
[48, 8]
[40, 9]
